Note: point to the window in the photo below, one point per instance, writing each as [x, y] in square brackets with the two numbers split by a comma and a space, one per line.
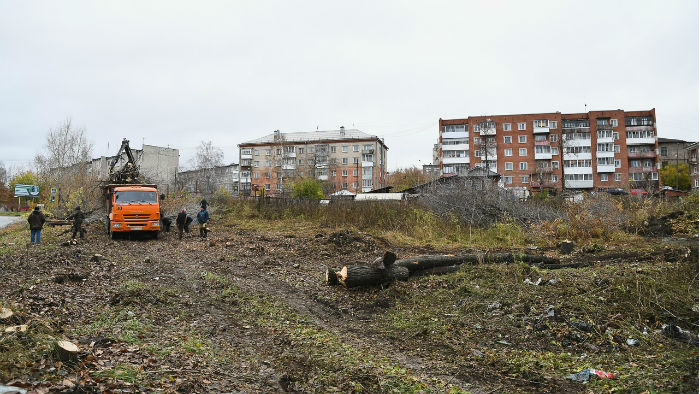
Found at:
[617, 148]
[345, 148]
[613, 122]
[301, 150]
[555, 178]
[256, 175]
[618, 177]
[522, 126]
[664, 151]
[268, 152]
[522, 152]
[508, 140]
[367, 147]
[555, 150]
[477, 153]
[477, 140]
[279, 151]
[618, 164]
[332, 161]
[603, 177]
[552, 124]
[354, 184]
[256, 164]
[311, 149]
[333, 149]
[366, 171]
[523, 165]
[508, 151]
[525, 179]
[267, 175]
[345, 185]
[455, 128]
[301, 162]
[345, 160]
[356, 148]
[334, 172]
[555, 164]
[345, 172]
[256, 152]
[522, 139]
[267, 186]
[509, 166]
[268, 163]
[553, 137]
[366, 183]
[616, 135]
[355, 160]
[508, 180]
[506, 127]
[354, 172]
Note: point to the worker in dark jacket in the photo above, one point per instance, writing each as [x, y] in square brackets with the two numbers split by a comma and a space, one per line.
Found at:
[181, 222]
[204, 203]
[203, 218]
[78, 217]
[36, 221]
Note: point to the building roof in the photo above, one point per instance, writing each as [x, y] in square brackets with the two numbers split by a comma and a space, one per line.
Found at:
[312, 136]
[663, 140]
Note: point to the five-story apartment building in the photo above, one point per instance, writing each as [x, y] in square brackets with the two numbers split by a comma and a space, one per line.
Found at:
[585, 151]
[347, 159]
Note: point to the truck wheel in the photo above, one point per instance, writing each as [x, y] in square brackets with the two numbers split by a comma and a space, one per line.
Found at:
[155, 234]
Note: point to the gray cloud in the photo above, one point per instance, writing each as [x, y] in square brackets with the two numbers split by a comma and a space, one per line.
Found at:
[175, 73]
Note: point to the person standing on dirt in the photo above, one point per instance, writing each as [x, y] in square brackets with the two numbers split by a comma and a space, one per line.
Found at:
[78, 217]
[203, 218]
[181, 222]
[204, 203]
[36, 221]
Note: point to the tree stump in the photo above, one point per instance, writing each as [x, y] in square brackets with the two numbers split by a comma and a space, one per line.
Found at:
[66, 351]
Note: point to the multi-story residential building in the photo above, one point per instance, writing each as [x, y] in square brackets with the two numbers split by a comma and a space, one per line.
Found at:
[157, 164]
[672, 151]
[346, 158]
[585, 151]
[693, 165]
[209, 180]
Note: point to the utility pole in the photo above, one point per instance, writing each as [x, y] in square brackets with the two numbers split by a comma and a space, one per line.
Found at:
[676, 169]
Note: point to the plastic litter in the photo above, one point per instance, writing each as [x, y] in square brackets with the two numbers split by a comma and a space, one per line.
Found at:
[676, 332]
[586, 374]
[527, 281]
[11, 390]
[631, 342]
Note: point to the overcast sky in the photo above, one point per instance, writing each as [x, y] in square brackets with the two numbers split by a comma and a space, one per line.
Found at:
[175, 73]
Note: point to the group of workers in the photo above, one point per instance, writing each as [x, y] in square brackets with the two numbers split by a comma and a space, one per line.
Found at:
[37, 219]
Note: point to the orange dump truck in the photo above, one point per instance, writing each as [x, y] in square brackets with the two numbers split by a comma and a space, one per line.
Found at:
[132, 208]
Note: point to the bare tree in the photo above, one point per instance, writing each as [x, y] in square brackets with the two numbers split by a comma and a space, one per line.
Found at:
[65, 164]
[207, 158]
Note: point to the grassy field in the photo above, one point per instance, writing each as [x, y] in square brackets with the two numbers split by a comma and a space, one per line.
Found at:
[248, 309]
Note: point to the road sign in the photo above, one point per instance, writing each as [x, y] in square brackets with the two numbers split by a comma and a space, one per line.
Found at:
[26, 191]
[54, 190]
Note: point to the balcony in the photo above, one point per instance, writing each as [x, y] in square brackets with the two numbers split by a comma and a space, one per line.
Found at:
[537, 184]
[588, 184]
[605, 154]
[578, 170]
[288, 166]
[578, 142]
[488, 131]
[543, 170]
[245, 180]
[289, 154]
[641, 155]
[455, 160]
[641, 169]
[492, 156]
[639, 128]
[605, 168]
[543, 156]
[578, 156]
[455, 134]
[605, 139]
[367, 176]
[367, 164]
[542, 143]
[366, 189]
[455, 147]
[246, 156]
[368, 151]
[322, 177]
[641, 141]
[540, 129]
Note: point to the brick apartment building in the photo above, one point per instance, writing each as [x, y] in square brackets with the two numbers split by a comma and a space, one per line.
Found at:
[346, 158]
[596, 150]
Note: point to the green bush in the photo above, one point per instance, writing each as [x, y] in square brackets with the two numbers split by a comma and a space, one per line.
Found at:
[307, 188]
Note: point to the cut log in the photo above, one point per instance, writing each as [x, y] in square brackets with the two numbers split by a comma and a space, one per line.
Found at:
[361, 275]
[331, 277]
[421, 263]
[66, 351]
[20, 328]
[438, 270]
[5, 314]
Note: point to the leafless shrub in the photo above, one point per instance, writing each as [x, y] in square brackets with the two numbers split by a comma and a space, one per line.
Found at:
[483, 204]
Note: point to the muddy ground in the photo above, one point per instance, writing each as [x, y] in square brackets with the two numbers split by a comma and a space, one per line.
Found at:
[248, 311]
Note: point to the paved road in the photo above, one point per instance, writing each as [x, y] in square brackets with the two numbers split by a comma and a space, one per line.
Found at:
[6, 220]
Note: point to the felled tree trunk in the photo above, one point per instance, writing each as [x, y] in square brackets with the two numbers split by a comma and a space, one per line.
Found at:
[382, 270]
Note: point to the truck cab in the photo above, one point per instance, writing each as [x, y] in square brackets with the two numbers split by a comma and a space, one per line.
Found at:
[132, 208]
